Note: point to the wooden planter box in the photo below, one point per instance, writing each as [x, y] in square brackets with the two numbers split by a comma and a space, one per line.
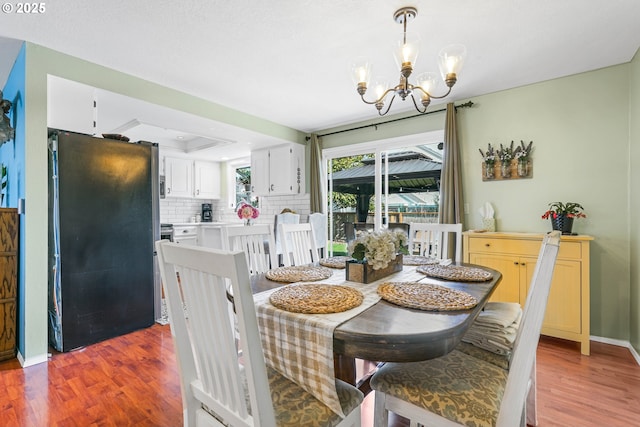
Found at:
[364, 273]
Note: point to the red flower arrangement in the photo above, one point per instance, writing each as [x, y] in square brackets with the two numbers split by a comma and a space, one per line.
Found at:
[569, 210]
[248, 212]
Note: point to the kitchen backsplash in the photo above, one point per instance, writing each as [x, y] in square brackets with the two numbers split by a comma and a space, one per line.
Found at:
[181, 210]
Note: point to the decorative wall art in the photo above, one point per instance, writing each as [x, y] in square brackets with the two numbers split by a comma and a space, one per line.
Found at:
[507, 162]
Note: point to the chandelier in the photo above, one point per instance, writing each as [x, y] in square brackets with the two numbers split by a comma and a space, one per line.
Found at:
[450, 59]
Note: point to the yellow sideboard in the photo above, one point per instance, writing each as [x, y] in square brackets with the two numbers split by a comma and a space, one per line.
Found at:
[515, 256]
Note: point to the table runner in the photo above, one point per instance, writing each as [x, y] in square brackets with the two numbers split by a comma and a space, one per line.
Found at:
[300, 346]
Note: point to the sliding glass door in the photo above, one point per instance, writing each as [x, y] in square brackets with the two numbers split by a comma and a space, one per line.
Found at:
[374, 186]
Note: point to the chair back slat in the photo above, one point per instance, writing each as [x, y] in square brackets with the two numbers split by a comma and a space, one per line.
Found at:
[298, 244]
[429, 239]
[195, 280]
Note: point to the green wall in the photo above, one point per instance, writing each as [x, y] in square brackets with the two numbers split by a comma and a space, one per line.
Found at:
[580, 128]
[634, 179]
[40, 62]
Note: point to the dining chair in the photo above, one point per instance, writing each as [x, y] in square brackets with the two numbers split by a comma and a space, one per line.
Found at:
[459, 389]
[298, 244]
[434, 239]
[218, 386]
[258, 244]
[283, 218]
[319, 222]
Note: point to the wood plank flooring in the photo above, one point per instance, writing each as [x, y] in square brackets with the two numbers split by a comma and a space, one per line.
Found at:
[133, 381]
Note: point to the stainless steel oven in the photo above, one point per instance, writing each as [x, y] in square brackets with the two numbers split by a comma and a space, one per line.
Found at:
[166, 232]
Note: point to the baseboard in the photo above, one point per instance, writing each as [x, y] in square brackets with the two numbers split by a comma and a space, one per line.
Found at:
[25, 363]
[619, 343]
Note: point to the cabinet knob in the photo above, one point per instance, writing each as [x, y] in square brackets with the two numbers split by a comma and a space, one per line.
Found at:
[487, 244]
[515, 263]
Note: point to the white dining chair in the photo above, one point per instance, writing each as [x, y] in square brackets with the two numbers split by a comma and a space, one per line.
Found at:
[298, 244]
[459, 389]
[218, 386]
[258, 244]
[319, 222]
[283, 218]
[429, 239]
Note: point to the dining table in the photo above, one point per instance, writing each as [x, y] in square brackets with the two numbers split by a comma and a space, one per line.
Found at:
[378, 330]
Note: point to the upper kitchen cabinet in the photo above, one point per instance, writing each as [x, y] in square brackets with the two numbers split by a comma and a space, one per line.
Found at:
[207, 180]
[278, 170]
[70, 106]
[178, 177]
[189, 178]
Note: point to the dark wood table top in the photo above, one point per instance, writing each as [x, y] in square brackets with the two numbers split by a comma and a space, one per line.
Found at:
[391, 333]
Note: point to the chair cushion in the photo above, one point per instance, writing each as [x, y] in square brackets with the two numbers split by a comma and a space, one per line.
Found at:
[500, 360]
[457, 386]
[294, 407]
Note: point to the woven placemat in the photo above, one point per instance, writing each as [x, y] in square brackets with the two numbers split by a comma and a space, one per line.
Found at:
[426, 296]
[316, 298]
[335, 261]
[459, 273]
[419, 260]
[299, 273]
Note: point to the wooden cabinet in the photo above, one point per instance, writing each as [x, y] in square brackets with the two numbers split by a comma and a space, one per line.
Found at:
[178, 177]
[515, 256]
[8, 281]
[278, 170]
[206, 180]
[187, 235]
[211, 236]
[189, 178]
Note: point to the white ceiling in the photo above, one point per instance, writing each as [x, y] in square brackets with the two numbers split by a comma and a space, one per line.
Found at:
[287, 61]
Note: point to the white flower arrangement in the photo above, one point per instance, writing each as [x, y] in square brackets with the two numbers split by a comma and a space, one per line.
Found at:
[378, 248]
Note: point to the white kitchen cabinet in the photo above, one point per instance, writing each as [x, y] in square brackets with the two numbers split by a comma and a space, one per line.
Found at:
[206, 180]
[178, 177]
[187, 235]
[70, 106]
[211, 236]
[278, 170]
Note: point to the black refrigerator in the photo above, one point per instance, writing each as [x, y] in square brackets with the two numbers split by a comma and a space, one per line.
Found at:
[103, 221]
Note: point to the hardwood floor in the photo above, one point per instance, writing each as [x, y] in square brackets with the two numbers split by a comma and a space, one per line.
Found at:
[133, 381]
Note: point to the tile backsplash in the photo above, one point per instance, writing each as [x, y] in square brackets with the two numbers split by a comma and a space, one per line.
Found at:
[179, 210]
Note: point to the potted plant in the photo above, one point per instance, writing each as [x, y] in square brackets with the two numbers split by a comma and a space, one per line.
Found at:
[563, 214]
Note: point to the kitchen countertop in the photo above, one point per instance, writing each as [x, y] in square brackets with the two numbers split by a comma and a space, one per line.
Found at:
[206, 224]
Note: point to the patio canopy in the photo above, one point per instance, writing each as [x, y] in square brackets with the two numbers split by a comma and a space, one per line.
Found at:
[409, 172]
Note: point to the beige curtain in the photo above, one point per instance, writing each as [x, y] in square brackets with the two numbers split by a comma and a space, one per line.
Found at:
[451, 203]
[315, 174]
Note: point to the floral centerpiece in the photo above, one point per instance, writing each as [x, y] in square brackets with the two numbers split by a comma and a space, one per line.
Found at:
[376, 254]
[248, 212]
[563, 214]
[489, 159]
[378, 248]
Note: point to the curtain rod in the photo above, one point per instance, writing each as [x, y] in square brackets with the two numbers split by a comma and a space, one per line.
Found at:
[465, 105]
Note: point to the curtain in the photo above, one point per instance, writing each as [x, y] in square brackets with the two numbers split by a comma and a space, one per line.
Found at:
[451, 178]
[315, 174]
